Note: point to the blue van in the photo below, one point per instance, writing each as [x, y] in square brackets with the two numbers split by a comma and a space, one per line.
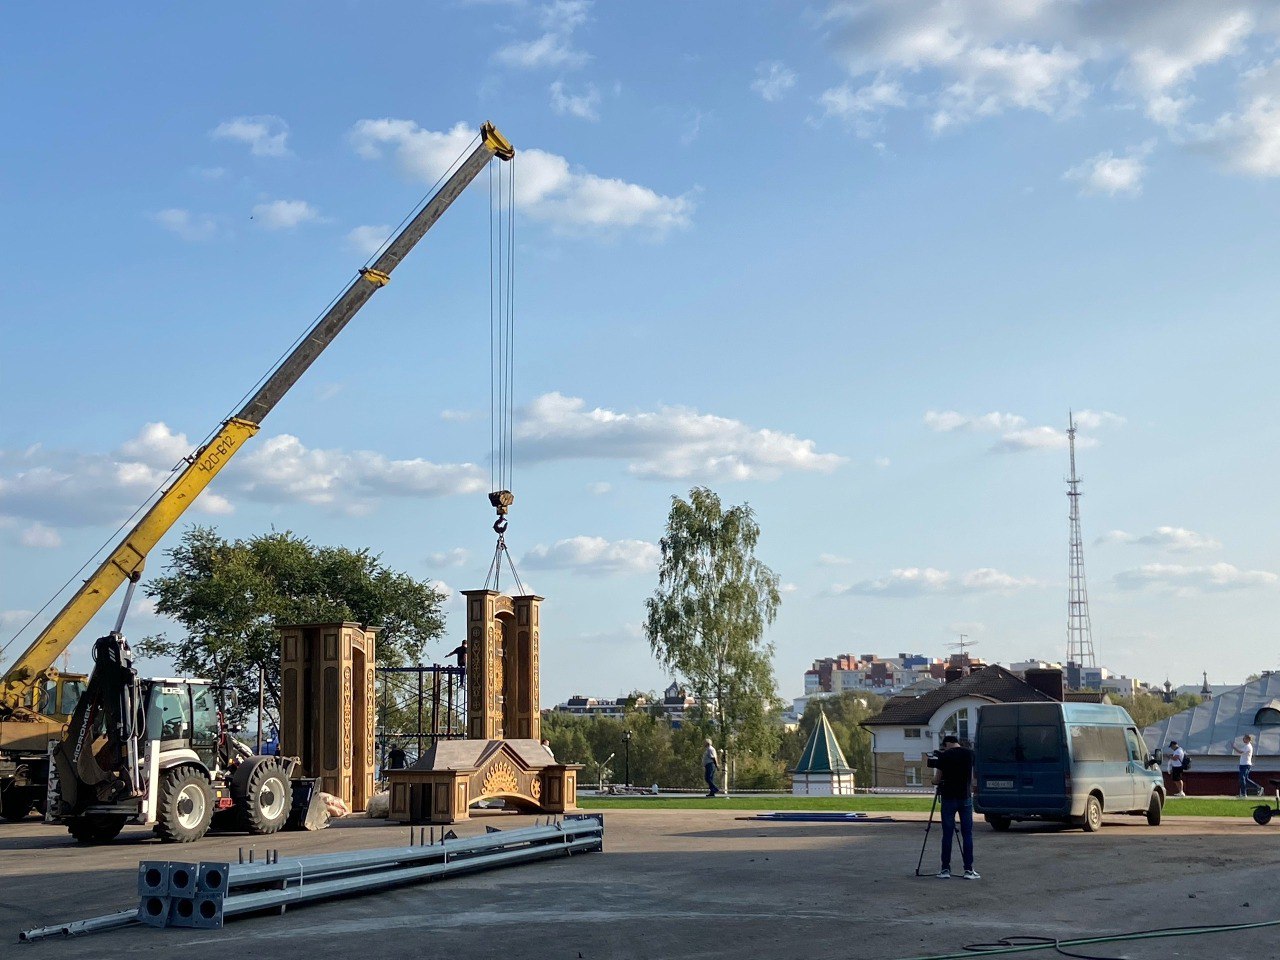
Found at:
[1069, 762]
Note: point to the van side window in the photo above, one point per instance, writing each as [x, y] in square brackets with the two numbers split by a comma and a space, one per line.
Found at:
[1090, 743]
[1135, 745]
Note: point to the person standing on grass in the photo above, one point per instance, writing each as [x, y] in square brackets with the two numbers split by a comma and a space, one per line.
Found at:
[710, 764]
[953, 777]
[1246, 764]
[1176, 755]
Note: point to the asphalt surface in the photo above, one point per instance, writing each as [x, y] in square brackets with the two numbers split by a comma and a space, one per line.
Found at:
[695, 883]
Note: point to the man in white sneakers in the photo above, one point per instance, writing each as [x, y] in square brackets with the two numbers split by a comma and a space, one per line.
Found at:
[1246, 764]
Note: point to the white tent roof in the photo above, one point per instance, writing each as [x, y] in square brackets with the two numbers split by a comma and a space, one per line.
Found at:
[1211, 728]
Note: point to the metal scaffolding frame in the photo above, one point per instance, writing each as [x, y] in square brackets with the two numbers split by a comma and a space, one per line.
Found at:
[435, 693]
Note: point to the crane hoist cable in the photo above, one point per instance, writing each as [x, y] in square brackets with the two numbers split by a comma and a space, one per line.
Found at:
[502, 261]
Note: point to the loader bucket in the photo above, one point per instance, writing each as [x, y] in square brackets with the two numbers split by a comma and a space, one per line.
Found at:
[309, 811]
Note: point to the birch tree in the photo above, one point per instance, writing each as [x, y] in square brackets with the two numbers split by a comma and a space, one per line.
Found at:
[707, 618]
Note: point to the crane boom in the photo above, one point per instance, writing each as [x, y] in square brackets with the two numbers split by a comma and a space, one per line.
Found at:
[127, 559]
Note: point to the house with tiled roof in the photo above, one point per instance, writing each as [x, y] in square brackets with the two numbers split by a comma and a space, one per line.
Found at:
[1210, 732]
[822, 770]
[910, 727]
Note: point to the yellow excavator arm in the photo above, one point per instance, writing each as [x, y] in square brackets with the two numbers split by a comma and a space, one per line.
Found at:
[126, 561]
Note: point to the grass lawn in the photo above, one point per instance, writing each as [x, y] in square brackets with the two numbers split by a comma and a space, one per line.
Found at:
[1189, 807]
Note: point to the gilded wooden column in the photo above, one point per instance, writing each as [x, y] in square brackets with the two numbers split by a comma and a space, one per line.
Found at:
[525, 721]
[488, 616]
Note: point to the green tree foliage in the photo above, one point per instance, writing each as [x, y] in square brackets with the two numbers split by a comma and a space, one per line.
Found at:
[1147, 709]
[706, 620]
[229, 596]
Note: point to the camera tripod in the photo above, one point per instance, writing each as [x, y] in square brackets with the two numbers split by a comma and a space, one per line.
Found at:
[955, 834]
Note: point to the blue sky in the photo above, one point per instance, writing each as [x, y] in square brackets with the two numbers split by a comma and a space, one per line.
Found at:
[851, 263]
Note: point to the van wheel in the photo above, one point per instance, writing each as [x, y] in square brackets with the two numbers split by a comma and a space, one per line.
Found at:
[1092, 814]
[1153, 811]
[998, 823]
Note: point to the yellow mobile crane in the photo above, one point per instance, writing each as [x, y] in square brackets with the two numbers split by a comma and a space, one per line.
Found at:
[147, 750]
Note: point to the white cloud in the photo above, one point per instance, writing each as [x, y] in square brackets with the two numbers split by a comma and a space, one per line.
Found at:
[926, 581]
[548, 188]
[554, 47]
[903, 582]
[671, 443]
[185, 224]
[1173, 539]
[1114, 176]
[987, 578]
[157, 446]
[442, 589]
[948, 421]
[62, 489]
[584, 106]
[369, 239]
[882, 462]
[831, 560]
[599, 488]
[41, 537]
[285, 214]
[787, 588]
[284, 470]
[265, 135]
[456, 557]
[594, 555]
[14, 618]
[957, 63]
[1246, 140]
[773, 81]
[1187, 580]
[1015, 435]
[862, 108]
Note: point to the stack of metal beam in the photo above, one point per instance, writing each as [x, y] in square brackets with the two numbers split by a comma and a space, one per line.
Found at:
[183, 894]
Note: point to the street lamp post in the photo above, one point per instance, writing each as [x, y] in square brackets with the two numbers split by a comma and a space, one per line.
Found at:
[626, 761]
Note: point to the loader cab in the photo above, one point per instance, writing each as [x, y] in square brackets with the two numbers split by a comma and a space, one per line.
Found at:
[183, 715]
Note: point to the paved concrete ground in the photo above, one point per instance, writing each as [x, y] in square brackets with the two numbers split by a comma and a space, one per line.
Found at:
[697, 883]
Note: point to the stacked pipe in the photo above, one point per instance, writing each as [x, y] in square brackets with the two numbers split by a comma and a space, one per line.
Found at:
[206, 894]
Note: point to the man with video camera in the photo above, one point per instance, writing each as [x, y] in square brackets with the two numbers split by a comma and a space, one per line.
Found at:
[953, 776]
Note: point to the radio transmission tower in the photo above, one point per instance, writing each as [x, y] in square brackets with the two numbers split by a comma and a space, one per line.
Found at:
[1079, 630]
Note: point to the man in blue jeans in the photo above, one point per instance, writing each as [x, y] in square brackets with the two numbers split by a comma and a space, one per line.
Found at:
[953, 776]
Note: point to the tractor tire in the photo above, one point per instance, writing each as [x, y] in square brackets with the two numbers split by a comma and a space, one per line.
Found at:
[268, 799]
[15, 804]
[96, 827]
[1092, 821]
[1154, 810]
[184, 805]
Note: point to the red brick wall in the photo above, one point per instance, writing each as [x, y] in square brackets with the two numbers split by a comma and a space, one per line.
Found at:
[1217, 784]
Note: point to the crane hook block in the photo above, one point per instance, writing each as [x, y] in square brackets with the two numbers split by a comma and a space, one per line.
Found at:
[502, 501]
[500, 526]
